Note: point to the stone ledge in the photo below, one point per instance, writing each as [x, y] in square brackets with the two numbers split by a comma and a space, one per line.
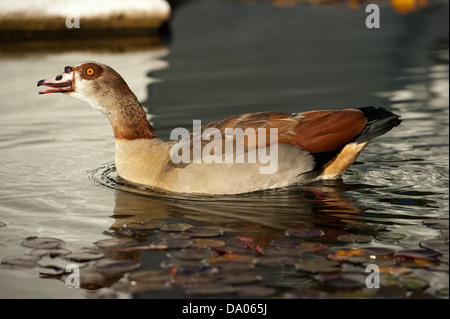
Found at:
[51, 15]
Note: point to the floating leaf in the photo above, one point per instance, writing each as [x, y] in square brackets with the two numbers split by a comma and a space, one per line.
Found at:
[109, 266]
[209, 289]
[435, 244]
[185, 267]
[192, 254]
[150, 275]
[2, 224]
[52, 252]
[374, 252]
[319, 266]
[423, 263]
[203, 232]
[254, 291]
[305, 233]
[394, 270]
[444, 258]
[285, 243]
[343, 280]
[303, 293]
[230, 266]
[42, 242]
[443, 292]
[140, 287]
[145, 225]
[390, 237]
[175, 227]
[437, 223]
[85, 255]
[417, 254]
[444, 234]
[352, 238]
[174, 243]
[312, 247]
[250, 244]
[21, 261]
[181, 280]
[207, 242]
[232, 257]
[115, 242]
[240, 278]
[271, 261]
[414, 283]
[345, 254]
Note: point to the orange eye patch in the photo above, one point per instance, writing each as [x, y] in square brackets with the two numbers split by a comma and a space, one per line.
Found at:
[90, 71]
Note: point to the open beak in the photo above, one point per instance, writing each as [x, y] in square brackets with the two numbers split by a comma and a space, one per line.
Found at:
[61, 83]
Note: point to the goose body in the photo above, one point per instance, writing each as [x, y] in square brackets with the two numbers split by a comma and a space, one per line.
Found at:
[303, 147]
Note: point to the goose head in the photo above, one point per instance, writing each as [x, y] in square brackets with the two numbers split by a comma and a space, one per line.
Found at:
[92, 82]
[105, 90]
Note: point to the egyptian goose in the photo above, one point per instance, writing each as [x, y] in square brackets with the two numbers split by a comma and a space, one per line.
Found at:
[308, 146]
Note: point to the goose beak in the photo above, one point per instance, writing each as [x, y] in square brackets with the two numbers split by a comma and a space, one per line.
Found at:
[62, 83]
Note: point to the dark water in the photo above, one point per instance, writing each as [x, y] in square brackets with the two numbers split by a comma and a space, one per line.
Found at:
[224, 58]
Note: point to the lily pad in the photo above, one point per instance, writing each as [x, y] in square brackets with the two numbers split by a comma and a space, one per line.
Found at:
[109, 266]
[144, 225]
[192, 254]
[150, 275]
[395, 270]
[20, 261]
[240, 278]
[254, 291]
[355, 238]
[304, 233]
[84, 255]
[175, 227]
[232, 266]
[378, 251]
[140, 287]
[344, 255]
[184, 267]
[203, 232]
[343, 280]
[435, 244]
[209, 289]
[444, 234]
[444, 258]
[207, 242]
[272, 261]
[52, 252]
[174, 243]
[285, 243]
[115, 242]
[437, 223]
[414, 283]
[42, 242]
[390, 236]
[315, 266]
[417, 254]
[443, 292]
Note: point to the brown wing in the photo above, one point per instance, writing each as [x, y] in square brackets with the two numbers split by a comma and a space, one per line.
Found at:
[314, 131]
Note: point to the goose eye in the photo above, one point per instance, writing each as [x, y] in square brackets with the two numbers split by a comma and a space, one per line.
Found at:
[90, 71]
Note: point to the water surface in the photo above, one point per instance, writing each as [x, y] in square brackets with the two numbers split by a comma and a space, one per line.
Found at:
[58, 177]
